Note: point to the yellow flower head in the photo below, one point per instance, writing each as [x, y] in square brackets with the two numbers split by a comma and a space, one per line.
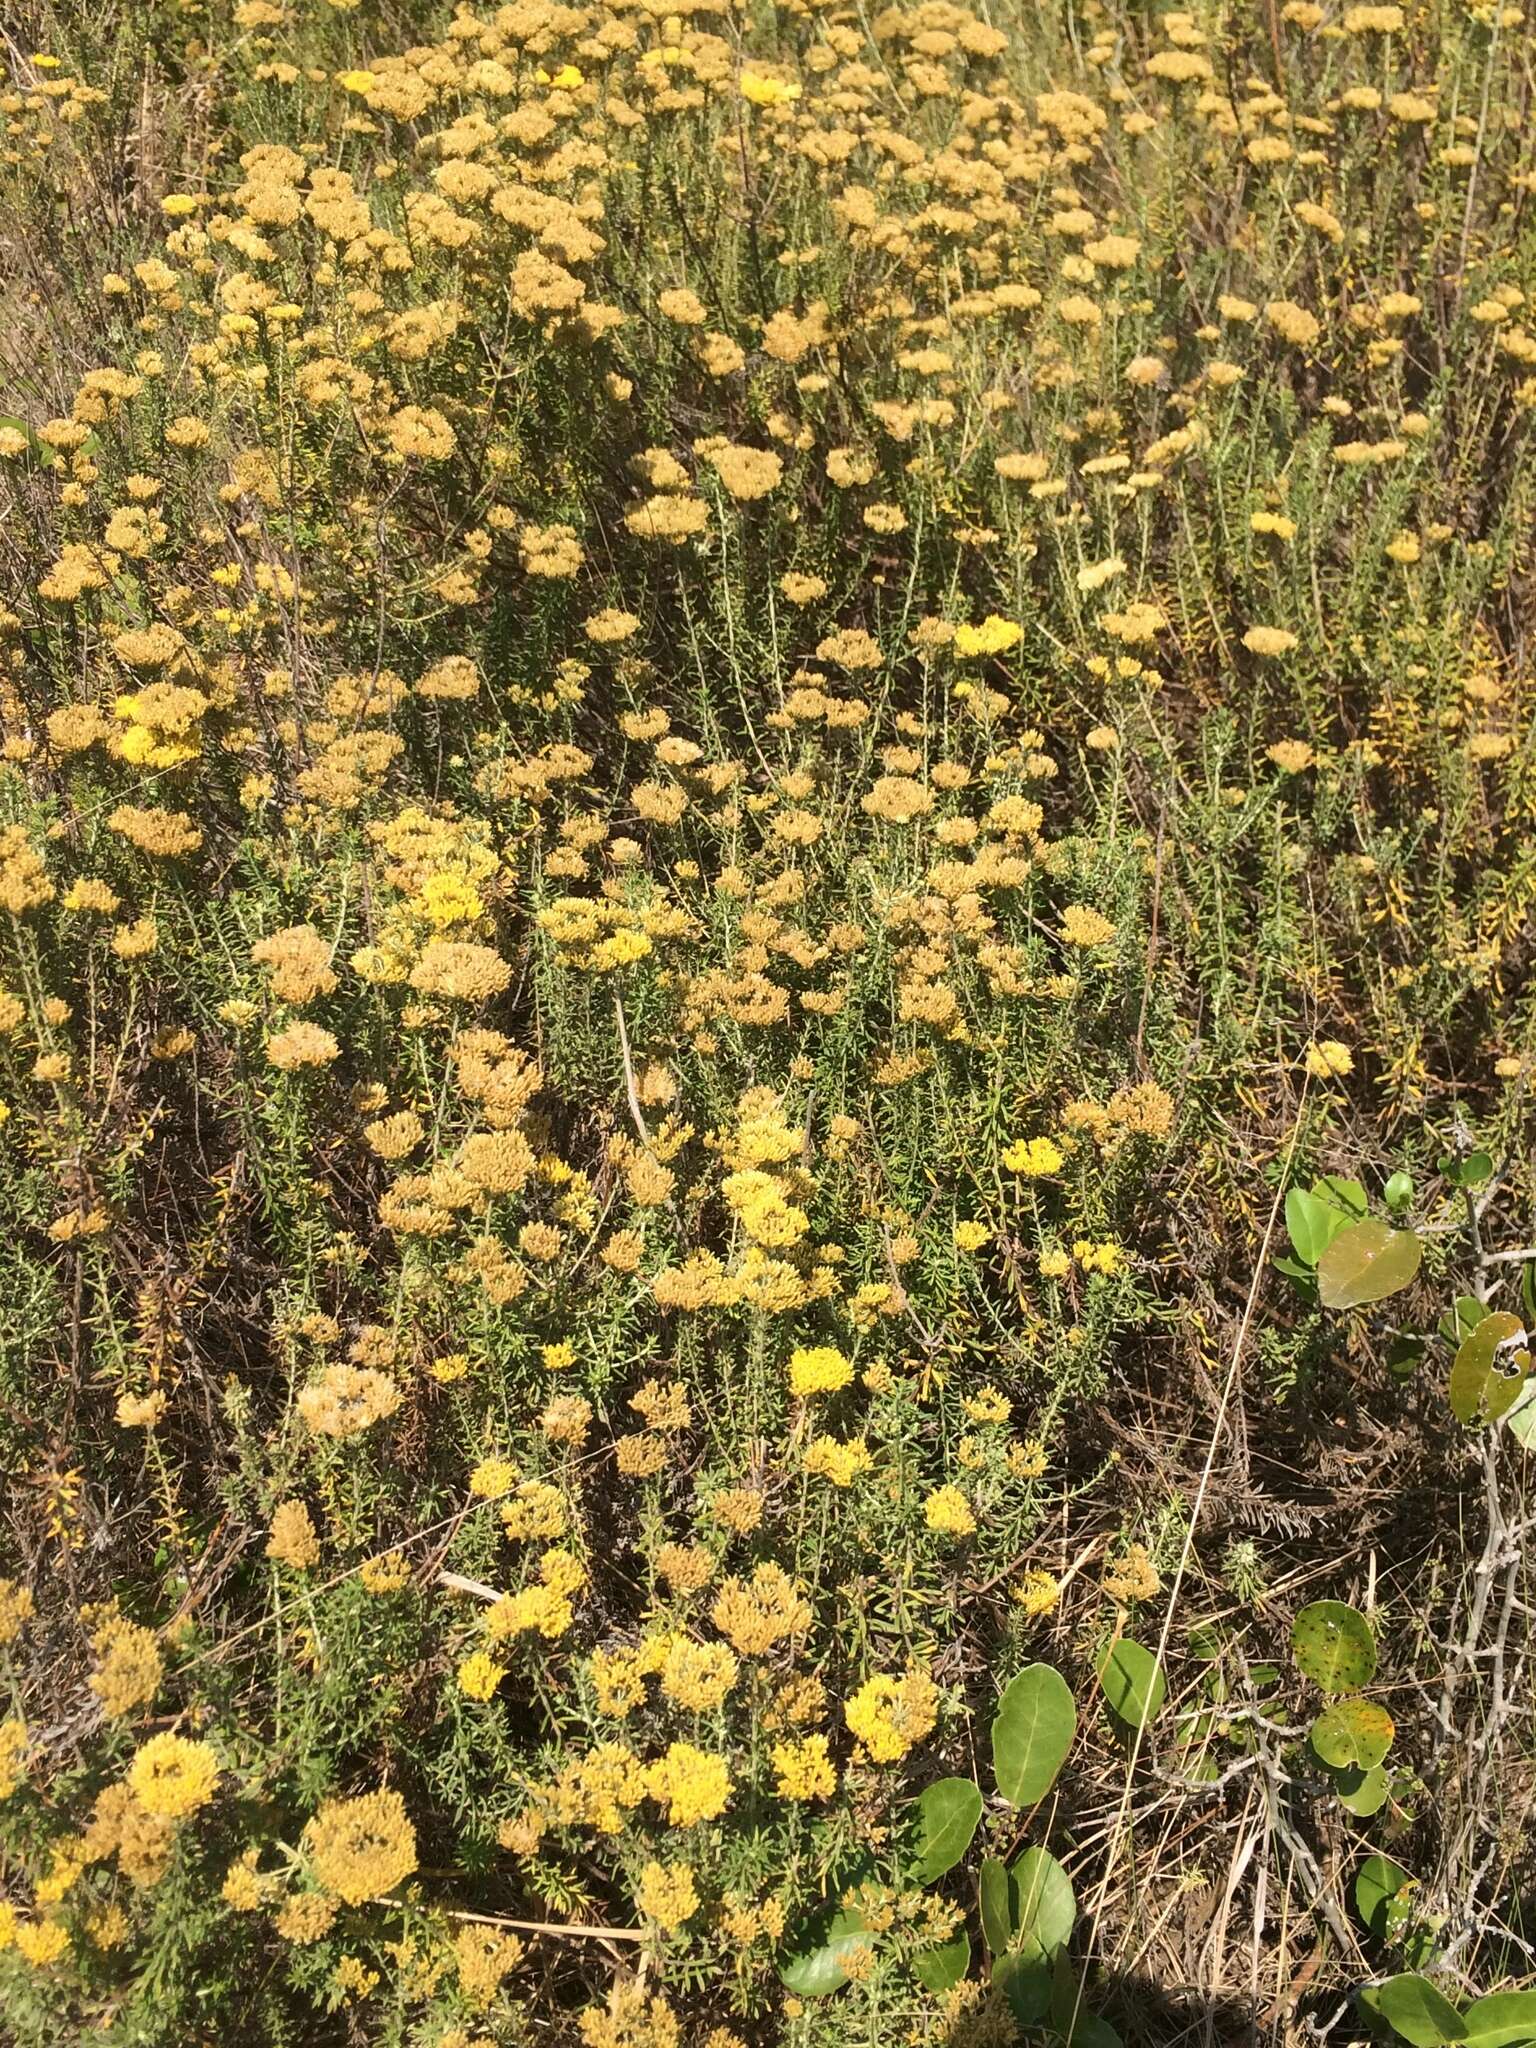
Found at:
[995, 635]
[1034, 1157]
[690, 1783]
[479, 1675]
[767, 92]
[821, 1369]
[948, 1513]
[892, 1715]
[171, 1776]
[804, 1770]
[667, 1896]
[1329, 1059]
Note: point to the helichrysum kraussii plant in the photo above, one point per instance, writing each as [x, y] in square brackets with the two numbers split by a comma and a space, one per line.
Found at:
[702, 716]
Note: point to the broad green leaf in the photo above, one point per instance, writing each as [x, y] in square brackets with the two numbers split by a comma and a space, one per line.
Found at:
[1363, 1793]
[1398, 1192]
[1489, 1369]
[1044, 1913]
[1504, 2019]
[940, 1969]
[1377, 1881]
[947, 1815]
[1353, 1732]
[1312, 1224]
[1414, 2008]
[1031, 1734]
[1334, 1646]
[1133, 1683]
[1366, 1263]
[817, 1969]
[995, 1893]
[1045, 1909]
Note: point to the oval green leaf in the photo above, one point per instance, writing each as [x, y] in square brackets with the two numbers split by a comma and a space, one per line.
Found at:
[1366, 1263]
[1093, 2032]
[947, 1816]
[1133, 1683]
[1071, 2021]
[1423, 2015]
[1353, 1732]
[1347, 1196]
[1031, 1734]
[1521, 1419]
[1334, 1646]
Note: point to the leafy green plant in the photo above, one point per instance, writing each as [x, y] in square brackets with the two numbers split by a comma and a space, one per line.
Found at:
[1341, 1255]
[1026, 1908]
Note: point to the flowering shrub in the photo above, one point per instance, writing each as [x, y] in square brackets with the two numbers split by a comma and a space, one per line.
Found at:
[722, 737]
